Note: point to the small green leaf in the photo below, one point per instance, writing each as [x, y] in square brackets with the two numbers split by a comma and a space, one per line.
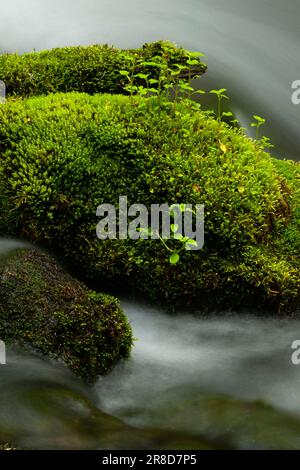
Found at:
[196, 54]
[153, 90]
[178, 236]
[192, 62]
[200, 92]
[259, 119]
[174, 258]
[141, 75]
[152, 64]
[152, 81]
[192, 242]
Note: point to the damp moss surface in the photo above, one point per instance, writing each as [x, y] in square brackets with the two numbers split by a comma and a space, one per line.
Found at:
[90, 69]
[65, 154]
[44, 308]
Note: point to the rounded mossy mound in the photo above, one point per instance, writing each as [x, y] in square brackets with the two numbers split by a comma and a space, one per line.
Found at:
[90, 69]
[64, 155]
[43, 307]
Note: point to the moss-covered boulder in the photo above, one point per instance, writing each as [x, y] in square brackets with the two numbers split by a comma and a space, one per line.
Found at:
[91, 69]
[63, 155]
[43, 307]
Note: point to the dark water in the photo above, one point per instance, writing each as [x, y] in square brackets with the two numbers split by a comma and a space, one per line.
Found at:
[252, 47]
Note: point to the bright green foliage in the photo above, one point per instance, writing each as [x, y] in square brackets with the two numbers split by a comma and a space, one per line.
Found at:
[91, 69]
[259, 121]
[166, 74]
[220, 94]
[43, 307]
[289, 244]
[63, 155]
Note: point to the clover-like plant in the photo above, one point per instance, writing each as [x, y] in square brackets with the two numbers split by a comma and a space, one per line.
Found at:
[220, 94]
[259, 121]
[184, 243]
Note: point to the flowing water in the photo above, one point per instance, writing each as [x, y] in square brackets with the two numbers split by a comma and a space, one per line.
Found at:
[252, 48]
[228, 378]
[192, 381]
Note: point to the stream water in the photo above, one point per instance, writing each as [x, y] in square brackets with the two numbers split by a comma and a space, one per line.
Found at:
[224, 381]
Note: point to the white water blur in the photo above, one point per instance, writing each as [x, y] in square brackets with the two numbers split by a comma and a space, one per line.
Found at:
[252, 47]
[7, 245]
[246, 357]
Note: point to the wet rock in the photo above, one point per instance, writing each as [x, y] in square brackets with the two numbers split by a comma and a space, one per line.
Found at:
[44, 308]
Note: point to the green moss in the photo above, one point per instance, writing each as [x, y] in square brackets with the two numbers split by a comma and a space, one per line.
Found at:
[63, 155]
[42, 306]
[90, 69]
[290, 240]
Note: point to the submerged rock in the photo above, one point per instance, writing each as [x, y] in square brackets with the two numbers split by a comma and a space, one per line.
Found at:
[44, 406]
[43, 307]
[225, 421]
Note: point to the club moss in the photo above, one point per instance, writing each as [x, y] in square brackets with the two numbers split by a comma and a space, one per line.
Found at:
[43, 307]
[89, 69]
[63, 155]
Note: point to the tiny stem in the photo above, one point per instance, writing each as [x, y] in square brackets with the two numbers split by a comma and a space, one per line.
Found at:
[165, 245]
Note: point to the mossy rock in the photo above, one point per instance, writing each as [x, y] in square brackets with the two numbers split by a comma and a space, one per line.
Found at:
[64, 155]
[89, 69]
[43, 307]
